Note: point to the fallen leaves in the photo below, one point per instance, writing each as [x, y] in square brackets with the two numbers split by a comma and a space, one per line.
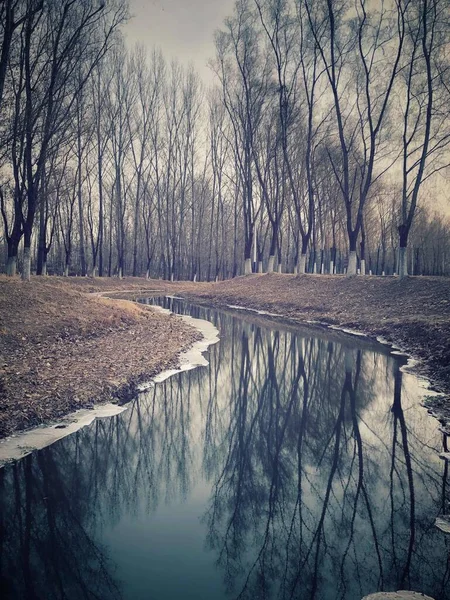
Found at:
[57, 361]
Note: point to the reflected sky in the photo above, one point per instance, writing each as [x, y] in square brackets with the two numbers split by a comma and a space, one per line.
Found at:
[298, 464]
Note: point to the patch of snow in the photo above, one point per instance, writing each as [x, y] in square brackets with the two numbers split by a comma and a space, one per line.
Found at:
[443, 523]
[255, 310]
[19, 445]
[193, 357]
[400, 595]
[347, 330]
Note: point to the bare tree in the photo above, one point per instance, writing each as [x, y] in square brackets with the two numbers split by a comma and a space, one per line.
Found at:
[426, 112]
[243, 73]
[355, 50]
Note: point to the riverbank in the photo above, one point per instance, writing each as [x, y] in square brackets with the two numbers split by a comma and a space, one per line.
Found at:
[412, 314]
[63, 346]
[62, 349]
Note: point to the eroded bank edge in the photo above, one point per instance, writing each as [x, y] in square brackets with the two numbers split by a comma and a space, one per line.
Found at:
[409, 367]
[19, 445]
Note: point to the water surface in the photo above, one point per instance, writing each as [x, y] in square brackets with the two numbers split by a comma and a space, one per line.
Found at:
[298, 464]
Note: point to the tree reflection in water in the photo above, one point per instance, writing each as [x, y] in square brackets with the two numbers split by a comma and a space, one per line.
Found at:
[323, 476]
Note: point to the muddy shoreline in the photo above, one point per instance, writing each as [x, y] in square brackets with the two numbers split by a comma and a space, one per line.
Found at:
[413, 315]
[22, 443]
[62, 350]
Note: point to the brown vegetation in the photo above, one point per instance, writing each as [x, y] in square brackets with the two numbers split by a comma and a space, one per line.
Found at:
[61, 349]
[413, 313]
[63, 346]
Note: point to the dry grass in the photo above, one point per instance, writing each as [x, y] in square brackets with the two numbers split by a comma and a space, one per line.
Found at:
[62, 349]
[413, 313]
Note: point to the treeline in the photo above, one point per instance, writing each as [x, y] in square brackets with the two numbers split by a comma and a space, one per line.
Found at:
[315, 151]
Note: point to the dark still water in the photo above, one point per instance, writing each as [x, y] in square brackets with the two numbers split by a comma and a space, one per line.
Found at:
[298, 464]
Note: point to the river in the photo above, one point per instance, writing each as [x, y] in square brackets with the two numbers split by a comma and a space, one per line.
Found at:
[297, 464]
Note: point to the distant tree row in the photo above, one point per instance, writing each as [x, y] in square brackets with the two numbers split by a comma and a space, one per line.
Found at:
[316, 150]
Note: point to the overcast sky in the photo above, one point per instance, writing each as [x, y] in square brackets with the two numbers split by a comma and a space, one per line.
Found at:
[183, 29]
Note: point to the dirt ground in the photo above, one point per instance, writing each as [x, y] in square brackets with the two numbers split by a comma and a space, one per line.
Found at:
[413, 314]
[62, 346]
[62, 349]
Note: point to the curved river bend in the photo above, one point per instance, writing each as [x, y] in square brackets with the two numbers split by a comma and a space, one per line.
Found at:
[297, 464]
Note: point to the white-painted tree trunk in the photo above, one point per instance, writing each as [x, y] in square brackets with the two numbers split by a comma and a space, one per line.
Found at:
[271, 263]
[260, 266]
[331, 267]
[403, 262]
[363, 266]
[351, 270]
[322, 269]
[315, 268]
[295, 269]
[147, 275]
[217, 278]
[195, 278]
[280, 269]
[248, 266]
[66, 271]
[11, 266]
[94, 272]
[370, 272]
[172, 277]
[120, 273]
[44, 269]
[302, 264]
[26, 272]
[383, 274]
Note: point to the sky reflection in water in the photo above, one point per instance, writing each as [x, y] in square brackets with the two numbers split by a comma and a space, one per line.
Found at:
[298, 464]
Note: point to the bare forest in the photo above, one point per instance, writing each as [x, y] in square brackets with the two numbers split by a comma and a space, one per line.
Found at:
[321, 146]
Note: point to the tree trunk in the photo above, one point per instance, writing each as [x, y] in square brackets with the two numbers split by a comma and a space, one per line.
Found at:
[42, 240]
[363, 266]
[403, 251]
[352, 262]
[352, 258]
[248, 266]
[26, 272]
[302, 264]
[80, 200]
[403, 262]
[100, 217]
[11, 266]
[270, 266]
